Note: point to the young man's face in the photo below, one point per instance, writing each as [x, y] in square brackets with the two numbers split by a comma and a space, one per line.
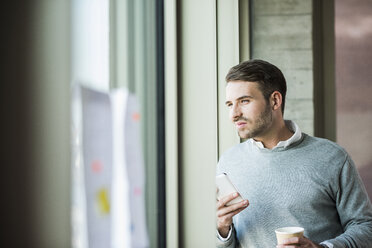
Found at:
[248, 109]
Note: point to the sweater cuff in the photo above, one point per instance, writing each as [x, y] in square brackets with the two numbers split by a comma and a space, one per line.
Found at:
[228, 235]
[327, 244]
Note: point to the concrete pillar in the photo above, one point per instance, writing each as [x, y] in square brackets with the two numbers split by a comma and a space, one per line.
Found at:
[283, 34]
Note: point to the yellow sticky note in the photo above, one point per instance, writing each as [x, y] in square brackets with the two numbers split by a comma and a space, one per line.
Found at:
[103, 201]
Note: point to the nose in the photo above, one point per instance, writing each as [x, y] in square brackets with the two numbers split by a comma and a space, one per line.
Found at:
[235, 112]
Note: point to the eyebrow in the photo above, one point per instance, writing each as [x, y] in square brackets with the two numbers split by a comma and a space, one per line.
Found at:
[240, 98]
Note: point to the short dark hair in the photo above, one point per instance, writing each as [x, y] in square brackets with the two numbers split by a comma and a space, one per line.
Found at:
[269, 77]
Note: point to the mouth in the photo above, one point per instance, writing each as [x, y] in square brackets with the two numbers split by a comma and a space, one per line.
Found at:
[240, 124]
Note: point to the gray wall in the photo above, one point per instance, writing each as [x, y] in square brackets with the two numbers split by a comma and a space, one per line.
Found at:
[298, 37]
[282, 34]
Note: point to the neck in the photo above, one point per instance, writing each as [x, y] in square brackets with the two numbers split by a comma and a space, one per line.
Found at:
[275, 133]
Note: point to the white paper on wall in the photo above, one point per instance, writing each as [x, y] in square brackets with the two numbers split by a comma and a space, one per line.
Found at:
[98, 159]
[112, 177]
[135, 170]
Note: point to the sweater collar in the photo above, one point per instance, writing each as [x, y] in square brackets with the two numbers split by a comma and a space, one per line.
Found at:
[294, 138]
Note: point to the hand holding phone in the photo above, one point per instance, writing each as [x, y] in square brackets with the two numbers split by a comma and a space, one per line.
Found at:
[226, 187]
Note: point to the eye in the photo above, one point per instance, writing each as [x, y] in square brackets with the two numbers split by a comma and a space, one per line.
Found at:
[244, 101]
[229, 105]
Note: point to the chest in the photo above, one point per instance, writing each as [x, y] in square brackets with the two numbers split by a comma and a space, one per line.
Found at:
[286, 186]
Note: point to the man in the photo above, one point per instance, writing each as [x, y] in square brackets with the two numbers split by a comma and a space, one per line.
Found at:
[288, 177]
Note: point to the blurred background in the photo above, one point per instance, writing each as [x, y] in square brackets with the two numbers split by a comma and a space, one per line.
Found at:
[173, 56]
[353, 83]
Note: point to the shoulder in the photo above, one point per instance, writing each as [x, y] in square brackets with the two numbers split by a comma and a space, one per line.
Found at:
[324, 144]
[325, 149]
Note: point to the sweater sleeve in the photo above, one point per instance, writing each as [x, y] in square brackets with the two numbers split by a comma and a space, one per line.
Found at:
[229, 243]
[354, 209]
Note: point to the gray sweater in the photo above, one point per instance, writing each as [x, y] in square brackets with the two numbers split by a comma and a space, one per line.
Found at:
[312, 183]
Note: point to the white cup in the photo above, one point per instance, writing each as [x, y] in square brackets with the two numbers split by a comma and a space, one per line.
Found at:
[288, 232]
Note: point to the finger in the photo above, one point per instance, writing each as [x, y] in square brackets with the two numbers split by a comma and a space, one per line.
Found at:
[223, 201]
[232, 207]
[226, 210]
[223, 210]
[303, 240]
[229, 215]
[229, 197]
[226, 220]
[217, 189]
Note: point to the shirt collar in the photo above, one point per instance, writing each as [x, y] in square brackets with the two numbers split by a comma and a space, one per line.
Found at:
[295, 137]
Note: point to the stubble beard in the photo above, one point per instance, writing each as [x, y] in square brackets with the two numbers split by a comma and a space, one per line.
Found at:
[260, 125]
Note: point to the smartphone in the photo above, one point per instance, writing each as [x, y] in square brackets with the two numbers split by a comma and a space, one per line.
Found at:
[226, 187]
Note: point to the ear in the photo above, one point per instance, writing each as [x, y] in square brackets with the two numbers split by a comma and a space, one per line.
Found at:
[276, 100]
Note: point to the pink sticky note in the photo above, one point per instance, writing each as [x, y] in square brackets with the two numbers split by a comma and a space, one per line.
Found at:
[137, 191]
[136, 116]
[96, 166]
